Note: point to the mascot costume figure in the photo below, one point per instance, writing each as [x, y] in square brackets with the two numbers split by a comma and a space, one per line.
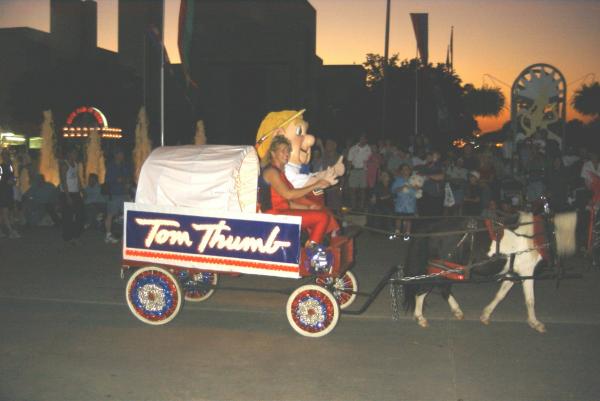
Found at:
[290, 124]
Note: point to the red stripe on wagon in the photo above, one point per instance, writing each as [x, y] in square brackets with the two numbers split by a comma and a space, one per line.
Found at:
[204, 259]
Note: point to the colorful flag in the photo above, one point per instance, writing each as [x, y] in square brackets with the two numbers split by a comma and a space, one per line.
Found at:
[420, 23]
[186, 30]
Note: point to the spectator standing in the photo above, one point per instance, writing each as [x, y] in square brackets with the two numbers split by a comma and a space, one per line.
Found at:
[405, 202]
[93, 200]
[7, 183]
[70, 198]
[456, 175]
[117, 182]
[333, 194]
[373, 165]
[357, 177]
[557, 185]
[432, 202]
[381, 202]
[472, 201]
[590, 169]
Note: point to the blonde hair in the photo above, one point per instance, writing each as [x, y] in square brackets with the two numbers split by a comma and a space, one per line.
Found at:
[275, 143]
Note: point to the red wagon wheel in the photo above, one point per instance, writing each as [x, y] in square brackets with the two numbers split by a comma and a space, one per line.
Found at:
[312, 311]
[343, 288]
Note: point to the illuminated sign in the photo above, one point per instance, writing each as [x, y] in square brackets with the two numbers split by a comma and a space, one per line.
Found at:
[250, 244]
[71, 130]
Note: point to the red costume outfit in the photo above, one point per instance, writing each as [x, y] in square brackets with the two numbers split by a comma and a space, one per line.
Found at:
[316, 222]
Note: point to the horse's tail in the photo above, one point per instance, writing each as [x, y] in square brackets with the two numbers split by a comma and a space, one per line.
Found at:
[416, 265]
[564, 230]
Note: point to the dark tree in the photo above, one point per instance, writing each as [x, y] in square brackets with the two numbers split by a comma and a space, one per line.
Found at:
[587, 99]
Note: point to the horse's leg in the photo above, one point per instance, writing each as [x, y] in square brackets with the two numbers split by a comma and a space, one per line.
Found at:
[454, 306]
[502, 291]
[419, 300]
[530, 304]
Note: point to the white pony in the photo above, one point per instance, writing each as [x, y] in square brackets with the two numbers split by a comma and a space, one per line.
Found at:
[519, 242]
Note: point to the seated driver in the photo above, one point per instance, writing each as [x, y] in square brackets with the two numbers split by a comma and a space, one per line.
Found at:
[283, 198]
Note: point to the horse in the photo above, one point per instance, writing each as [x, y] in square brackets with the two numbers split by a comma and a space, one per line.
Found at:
[488, 252]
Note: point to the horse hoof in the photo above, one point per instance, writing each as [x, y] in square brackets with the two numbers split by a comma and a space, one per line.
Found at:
[538, 326]
[421, 321]
[459, 315]
[485, 320]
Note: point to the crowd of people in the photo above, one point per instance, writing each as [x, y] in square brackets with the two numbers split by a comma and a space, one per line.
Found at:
[384, 180]
[74, 205]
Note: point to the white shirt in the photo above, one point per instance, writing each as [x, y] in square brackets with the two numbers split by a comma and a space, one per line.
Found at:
[294, 176]
[358, 155]
[588, 170]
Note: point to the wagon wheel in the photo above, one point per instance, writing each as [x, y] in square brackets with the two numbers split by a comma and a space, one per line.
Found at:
[343, 288]
[153, 295]
[199, 286]
[312, 311]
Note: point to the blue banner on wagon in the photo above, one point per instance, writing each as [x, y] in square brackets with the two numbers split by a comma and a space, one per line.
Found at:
[229, 242]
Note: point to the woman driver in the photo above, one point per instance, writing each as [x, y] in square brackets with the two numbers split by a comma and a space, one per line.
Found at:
[283, 198]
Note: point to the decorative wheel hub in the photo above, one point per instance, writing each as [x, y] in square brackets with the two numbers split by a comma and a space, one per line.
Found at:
[152, 297]
[311, 312]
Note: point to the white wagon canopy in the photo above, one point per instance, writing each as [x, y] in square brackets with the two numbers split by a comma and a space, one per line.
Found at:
[209, 177]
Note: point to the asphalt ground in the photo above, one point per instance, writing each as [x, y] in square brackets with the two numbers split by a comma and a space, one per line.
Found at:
[67, 334]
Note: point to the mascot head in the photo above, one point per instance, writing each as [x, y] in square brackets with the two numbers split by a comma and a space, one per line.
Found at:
[290, 124]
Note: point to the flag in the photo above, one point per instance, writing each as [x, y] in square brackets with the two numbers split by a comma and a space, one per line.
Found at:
[421, 27]
[452, 49]
[184, 40]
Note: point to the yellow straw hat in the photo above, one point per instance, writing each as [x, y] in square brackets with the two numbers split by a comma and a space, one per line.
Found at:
[273, 121]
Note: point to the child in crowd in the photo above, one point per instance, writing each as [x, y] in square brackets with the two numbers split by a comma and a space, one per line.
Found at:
[405, 200]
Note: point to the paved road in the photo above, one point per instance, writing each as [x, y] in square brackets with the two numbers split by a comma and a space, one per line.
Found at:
[67, 334]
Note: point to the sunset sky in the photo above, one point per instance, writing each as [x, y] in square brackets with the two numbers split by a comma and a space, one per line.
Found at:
[491, 38]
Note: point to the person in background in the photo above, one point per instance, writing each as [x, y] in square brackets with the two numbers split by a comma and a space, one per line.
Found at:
[94, 202]
[357, 178]
[117, 183]
[70, 198]
[381, 202]
[557, 185]
[333, 194]
[405, 203]
[7, 182]
[472, 201]
[432, 202]
[373, 166]
[456, 175]
[39, 203]
[317, 161]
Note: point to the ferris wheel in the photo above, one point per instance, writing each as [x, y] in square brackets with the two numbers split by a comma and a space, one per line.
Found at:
[538, 101]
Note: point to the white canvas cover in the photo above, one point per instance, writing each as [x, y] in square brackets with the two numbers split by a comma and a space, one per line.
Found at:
[209, 177]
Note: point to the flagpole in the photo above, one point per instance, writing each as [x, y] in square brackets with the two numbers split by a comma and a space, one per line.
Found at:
[417, 94]
[162, 77]
[385, 68]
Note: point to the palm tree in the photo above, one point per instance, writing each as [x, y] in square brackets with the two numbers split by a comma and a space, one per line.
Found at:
[587, 99]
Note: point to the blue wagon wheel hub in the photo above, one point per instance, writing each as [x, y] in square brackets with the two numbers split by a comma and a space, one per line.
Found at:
[312, 312]
[153, 295]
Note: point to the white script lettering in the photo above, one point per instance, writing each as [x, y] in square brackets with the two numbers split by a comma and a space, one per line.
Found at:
[159, 235]
[213, 238]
